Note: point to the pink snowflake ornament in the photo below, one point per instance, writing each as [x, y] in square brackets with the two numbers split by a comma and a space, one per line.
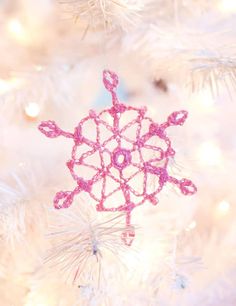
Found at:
[136, 151]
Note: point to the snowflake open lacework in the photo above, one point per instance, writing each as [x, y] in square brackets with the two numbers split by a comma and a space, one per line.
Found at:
[120, 157]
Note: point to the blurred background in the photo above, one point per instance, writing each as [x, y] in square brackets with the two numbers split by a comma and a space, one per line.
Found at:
[169, 55]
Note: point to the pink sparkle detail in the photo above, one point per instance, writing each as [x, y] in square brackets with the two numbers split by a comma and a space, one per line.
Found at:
[120, 158]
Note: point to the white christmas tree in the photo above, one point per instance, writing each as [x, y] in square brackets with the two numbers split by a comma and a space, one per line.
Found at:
[170, 56]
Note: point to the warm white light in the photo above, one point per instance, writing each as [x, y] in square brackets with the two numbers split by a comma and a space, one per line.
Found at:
[228, 6]
[8, 85]
[209, 154]
[203, 101]
[38, 68]
[15, 27]
[32, 110]
[223, 207]
[17, 31]
[191, 226]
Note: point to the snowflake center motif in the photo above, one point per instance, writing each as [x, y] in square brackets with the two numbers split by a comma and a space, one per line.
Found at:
[125, 162]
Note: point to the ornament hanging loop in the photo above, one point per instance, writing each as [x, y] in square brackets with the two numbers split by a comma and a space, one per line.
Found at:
[110, 80]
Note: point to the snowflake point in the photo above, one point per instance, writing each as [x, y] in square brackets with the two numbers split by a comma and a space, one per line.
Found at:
[177, 118]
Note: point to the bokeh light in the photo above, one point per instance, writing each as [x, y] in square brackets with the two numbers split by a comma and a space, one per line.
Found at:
[223, 207]
[32, 110]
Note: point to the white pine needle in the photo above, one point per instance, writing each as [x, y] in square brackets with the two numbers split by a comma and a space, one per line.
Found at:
[80, 239]
[104, 13]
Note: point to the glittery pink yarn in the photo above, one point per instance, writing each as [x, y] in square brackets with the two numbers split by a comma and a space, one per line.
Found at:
[127, 153]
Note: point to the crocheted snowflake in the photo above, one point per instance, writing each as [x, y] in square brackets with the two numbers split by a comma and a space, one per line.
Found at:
[125, 163]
